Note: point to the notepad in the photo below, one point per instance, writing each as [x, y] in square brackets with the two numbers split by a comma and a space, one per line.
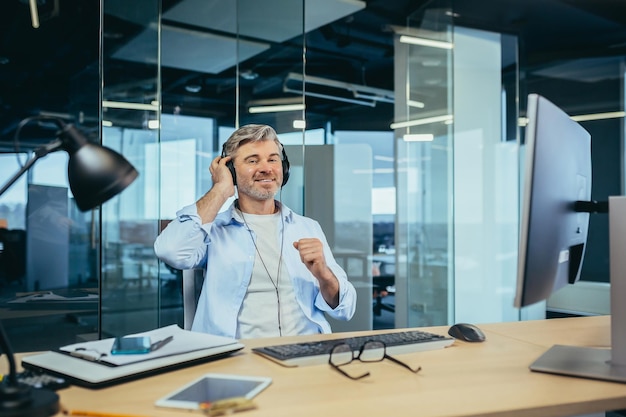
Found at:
[183, 341]
[95, 371]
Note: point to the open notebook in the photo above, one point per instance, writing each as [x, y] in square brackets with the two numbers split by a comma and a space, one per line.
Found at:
[90, 364]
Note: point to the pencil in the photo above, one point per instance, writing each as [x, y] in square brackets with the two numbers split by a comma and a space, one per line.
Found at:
[85, 413]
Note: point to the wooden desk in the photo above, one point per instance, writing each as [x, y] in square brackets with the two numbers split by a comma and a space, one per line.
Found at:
[580, 331]
[486, 379]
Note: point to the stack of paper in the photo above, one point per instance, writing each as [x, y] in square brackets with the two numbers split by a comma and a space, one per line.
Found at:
[183, 341]
[92, 365]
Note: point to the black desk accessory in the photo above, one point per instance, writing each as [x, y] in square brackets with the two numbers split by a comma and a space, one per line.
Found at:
[17, 400]
[95, 175]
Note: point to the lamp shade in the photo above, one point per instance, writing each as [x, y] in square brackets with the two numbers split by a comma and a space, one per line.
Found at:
[95, 173]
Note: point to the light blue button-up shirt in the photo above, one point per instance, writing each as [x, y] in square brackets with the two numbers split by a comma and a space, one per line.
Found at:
[225, 249]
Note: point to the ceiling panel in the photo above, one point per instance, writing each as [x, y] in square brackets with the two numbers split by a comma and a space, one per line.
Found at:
[270, 20]
[189, 50]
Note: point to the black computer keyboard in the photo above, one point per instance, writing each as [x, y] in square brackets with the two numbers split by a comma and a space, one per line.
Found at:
[315, 353]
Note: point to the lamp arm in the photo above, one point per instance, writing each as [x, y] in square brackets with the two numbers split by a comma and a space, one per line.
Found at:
[39, 153]
[8, 352]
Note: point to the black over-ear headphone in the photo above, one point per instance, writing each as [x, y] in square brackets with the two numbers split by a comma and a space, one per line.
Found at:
[285, 163]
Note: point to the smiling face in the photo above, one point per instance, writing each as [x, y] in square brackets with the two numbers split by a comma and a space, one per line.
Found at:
[259, 170]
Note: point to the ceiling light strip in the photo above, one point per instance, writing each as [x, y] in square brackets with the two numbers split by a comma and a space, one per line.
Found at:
[275, 101]
[523, 121]
[276, 109]
[425, 137]
[129, 106]
[426, 42]
[446, 118]
[373, 97]
[34, 13]
[380, 93]
[329, 97]
[415, 103]
[598, 116]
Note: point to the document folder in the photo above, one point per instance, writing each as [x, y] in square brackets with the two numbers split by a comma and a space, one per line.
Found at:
[91, 365]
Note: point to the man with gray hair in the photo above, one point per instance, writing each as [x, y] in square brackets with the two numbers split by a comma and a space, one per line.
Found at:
[269, 271]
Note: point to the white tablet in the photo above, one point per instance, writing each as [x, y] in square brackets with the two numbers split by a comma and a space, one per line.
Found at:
[214, 387]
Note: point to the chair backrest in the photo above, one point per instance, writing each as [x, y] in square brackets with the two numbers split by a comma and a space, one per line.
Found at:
[192, 284]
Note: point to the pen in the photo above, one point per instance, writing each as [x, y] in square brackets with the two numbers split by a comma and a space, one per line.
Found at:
[227, 406]
[85, 413]
[87, 356]
[161, 343]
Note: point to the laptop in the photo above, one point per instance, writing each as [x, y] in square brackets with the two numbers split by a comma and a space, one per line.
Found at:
[90, 373]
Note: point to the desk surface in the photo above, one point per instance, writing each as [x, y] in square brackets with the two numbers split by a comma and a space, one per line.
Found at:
[486, 379]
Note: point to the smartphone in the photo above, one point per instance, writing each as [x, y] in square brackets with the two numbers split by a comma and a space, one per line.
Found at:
[131, 345]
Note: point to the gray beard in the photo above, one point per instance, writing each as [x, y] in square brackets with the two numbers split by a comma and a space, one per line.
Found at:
[255, 193]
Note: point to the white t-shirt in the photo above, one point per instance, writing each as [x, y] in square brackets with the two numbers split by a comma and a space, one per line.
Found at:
[259, 314]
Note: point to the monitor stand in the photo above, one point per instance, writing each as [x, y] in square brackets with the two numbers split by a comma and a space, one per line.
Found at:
[608, 364]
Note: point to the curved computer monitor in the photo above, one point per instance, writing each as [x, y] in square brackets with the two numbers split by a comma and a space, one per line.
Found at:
[557, 175]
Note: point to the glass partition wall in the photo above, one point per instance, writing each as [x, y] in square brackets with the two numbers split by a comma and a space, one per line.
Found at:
[457, 171]
[459, 164]
[131, 109]
[49, 250]
[423, 130]
[422, 213]
[410, 161]
[170, 139]
[179, 77]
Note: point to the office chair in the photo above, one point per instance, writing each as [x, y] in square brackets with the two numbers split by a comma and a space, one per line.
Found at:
[383, 280]
[381, 287]
[192, 284]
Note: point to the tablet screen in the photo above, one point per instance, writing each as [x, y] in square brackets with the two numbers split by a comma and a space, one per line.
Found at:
[214, 387]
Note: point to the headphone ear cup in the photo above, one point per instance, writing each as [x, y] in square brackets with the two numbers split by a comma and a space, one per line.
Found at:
[286, 166]
[229, 164]
[231, 167]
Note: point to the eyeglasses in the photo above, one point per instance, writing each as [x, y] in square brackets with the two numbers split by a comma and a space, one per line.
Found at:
[371, 351]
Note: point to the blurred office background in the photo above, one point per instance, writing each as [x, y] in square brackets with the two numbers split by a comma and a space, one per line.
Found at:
[404, 126]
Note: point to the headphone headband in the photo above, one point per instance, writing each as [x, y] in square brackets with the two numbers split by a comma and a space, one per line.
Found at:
[285, 163]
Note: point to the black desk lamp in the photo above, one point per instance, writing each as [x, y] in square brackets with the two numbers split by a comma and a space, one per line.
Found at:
[95, 175]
